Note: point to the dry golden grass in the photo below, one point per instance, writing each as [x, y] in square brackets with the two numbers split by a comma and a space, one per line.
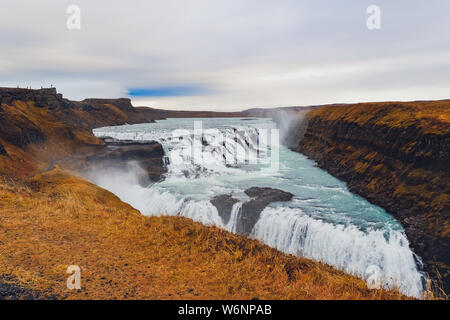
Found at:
[427, 116]
[25, 120]
[57, 219]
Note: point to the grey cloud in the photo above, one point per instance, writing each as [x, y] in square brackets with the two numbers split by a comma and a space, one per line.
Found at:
[250, 53]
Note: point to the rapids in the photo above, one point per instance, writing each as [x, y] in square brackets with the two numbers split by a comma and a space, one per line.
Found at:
[324, 221]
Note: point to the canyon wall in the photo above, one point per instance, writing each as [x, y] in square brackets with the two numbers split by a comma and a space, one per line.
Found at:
[38, 127]
[396, 155]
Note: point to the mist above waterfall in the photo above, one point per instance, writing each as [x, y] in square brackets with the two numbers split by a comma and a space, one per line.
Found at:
[291, 122]
[292, 125]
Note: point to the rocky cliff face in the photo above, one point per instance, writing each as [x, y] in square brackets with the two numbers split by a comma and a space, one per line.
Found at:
[122, 156]
[396, 155]
[38, 127]
[44, 98]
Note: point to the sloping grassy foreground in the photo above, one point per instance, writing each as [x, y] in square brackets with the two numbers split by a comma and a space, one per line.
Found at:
[58, 219]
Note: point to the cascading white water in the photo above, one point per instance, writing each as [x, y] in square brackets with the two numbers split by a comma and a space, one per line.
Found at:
[324, 221]
[345, 247]
[192, 155]
[234, 217]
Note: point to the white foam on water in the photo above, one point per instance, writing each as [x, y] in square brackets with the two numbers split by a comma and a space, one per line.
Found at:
[192, 156]
[203, 212]
[384, 259]
[234, 217]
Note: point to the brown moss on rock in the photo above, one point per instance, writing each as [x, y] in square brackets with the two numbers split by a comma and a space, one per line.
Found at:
[397, 156]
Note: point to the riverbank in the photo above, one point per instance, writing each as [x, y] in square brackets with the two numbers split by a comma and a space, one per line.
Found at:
[396, 155]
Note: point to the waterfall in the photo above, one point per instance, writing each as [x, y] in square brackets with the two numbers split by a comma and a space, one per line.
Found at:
[332, 226]
[345, 247]
[234, 218]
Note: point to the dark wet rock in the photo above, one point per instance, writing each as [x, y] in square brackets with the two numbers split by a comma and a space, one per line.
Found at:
[268, 194]
[148, 156]
[144, 158]
[21, 136]
[250, 210]
[224, 204]
[261, 198]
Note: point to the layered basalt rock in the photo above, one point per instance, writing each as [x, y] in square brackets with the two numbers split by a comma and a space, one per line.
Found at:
[21, 136]
[123, 104]
[49, 98]
[260, 198]
[44, 98]
[396, 155]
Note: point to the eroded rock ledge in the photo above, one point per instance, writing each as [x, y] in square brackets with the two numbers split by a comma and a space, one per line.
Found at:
[250, 210]
[145, 158]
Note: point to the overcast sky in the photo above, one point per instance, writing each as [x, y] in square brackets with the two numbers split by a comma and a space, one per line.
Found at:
[229, 55]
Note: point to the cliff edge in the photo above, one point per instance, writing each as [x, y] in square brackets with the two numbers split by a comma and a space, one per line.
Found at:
[396, 155]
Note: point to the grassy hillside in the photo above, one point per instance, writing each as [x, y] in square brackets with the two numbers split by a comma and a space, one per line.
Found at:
[58, 219]
[32, 137]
